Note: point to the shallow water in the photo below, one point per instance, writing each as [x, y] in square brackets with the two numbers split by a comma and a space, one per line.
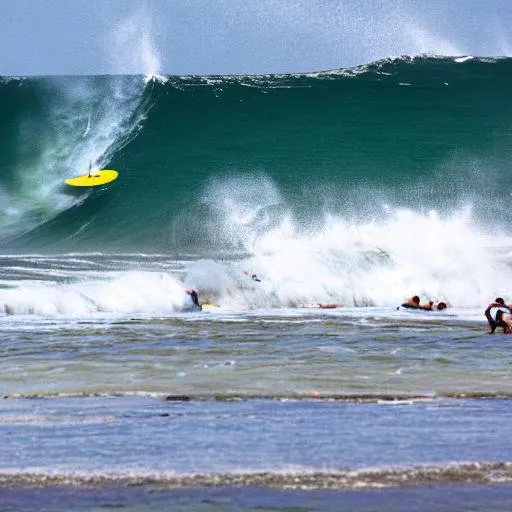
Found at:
[156, 406]
[140, 453]
[134, 437]
[259, 353]
[431, 498]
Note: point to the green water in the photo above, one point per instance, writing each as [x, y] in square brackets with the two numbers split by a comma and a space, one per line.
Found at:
[421, 133]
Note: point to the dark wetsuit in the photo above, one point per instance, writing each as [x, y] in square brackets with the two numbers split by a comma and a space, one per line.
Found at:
[195, 298]
[497, 321]
[409, 306]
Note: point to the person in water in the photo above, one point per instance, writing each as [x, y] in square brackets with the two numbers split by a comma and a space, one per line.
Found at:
[502, 317]
[431, 306]
[195, 298]
[505, 320]
[253, 276]
[415, 303]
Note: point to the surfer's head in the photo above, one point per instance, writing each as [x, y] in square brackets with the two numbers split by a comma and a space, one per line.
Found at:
[499, 300]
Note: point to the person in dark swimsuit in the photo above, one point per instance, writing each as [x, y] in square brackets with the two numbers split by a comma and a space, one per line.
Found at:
[414, 303]
[498, 320]
[194, 297]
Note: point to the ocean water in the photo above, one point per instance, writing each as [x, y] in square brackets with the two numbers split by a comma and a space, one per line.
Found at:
[357, 187]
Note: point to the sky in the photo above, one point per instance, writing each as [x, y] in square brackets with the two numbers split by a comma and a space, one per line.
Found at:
[76, 37]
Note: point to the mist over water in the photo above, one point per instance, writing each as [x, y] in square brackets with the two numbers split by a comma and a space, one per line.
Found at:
[132, 49]
[285, 36]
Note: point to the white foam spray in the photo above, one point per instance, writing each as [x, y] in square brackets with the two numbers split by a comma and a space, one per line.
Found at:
[374, 261]
[87, 120]
[134, 50]
[127, 292]
[425, 41]
[326, 35]
[377, 262]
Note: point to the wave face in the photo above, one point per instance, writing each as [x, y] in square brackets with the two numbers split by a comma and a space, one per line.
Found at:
[52, 129]
[218, 161]
[402, 162]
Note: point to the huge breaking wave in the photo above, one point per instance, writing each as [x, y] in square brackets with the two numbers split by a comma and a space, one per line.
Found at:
[389, 177]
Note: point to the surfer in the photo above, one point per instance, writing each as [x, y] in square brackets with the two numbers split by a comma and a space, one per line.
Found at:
[253, 276]
[431, 306]
[415, 303]
[412, 303]
[195, 298]
[502, 316]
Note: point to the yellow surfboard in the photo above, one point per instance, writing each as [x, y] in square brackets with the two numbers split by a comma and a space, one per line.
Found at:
[95, 179]
[210, 307]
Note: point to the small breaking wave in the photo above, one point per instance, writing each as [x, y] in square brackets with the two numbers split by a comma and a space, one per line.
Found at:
[372, 478]
[360, 398]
